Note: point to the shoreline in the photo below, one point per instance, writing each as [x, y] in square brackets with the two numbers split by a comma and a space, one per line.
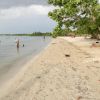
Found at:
[54, 75]
[19, 74]
[11, 60]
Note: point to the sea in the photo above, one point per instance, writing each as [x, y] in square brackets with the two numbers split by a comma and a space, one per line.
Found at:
[12, 59]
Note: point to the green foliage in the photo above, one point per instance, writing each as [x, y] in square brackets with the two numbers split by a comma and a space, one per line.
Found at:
[82, 16]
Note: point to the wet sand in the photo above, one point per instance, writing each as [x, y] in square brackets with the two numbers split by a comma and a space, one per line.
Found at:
[68, 69]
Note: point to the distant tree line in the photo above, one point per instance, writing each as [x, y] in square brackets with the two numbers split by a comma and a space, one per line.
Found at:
[27, 34]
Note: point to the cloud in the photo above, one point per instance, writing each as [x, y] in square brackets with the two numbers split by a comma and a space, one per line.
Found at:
[27, 24]
[16, 12]
[16, 3]
[26, 19]
[25, 16]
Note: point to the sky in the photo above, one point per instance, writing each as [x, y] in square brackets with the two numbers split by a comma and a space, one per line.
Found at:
[25, 16]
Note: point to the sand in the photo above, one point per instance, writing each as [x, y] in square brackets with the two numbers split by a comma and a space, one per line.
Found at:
[68, 69]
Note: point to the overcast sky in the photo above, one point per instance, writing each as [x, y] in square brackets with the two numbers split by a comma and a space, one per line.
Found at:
[25, 16]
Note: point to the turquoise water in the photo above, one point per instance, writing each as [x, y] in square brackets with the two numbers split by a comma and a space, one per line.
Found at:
[11, 58]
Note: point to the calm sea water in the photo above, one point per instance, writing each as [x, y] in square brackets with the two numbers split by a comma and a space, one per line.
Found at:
[11, 58]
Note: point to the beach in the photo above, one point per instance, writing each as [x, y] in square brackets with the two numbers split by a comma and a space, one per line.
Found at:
[68, 69]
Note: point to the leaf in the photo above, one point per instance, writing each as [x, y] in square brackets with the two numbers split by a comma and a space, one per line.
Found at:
[77, 1]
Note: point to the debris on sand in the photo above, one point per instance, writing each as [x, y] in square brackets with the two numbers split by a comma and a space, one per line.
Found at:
[67, 55]
[96, 44]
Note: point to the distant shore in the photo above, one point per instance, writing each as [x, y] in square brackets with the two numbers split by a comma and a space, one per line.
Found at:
[68, 69]
[28, 34]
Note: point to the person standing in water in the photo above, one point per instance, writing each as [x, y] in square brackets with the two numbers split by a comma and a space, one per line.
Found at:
[17, 43]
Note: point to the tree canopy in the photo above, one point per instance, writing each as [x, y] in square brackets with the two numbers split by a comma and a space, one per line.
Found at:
[80, 16]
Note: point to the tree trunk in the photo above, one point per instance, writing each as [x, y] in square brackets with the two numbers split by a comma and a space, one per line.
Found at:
[95, 36]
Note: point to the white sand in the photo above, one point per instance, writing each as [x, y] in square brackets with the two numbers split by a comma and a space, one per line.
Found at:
[53, 76]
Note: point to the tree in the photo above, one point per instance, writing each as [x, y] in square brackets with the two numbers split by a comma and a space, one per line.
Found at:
[80, 16]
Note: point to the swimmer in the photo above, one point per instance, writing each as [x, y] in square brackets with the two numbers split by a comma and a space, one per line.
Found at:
[23, 45]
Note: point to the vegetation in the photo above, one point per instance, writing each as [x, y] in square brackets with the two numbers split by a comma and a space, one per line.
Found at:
[76, 16]
[32, 34]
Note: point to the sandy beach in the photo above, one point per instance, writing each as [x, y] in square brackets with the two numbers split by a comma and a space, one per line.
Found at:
[68, 69]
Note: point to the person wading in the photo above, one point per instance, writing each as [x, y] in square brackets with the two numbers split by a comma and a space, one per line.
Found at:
[17, 43]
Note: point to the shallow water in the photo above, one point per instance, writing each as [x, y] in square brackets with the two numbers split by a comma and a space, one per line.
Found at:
[11, 57]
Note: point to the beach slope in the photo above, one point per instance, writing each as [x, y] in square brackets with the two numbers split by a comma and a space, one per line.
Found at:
[63, 71]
